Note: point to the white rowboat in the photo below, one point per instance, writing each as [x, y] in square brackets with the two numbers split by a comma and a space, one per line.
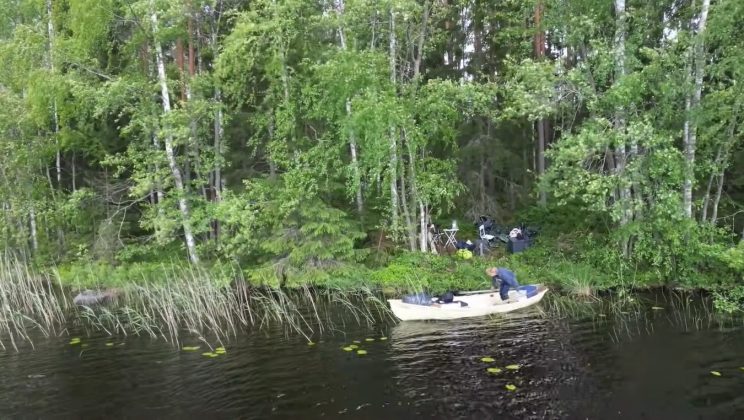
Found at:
[478, 304]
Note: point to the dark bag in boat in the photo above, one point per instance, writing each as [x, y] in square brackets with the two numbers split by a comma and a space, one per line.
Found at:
[447, 297]
[418, 299]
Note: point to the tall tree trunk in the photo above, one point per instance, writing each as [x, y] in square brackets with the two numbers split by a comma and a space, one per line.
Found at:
[55, 115]
[218, 134]
[410, 229]
[416, 198]
[175, 171]
[32, 225]
[691, 104]
[539, 48]
[355, 163]
[541, 157]
[719, 190]
[722, 163]
[621, 155]
[74, 173]
[352, 138]
[713, 173]
[393, 134]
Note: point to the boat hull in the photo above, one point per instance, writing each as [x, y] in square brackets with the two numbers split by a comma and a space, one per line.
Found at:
[480, 304]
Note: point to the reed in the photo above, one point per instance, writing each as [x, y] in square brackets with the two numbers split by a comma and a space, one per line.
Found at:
[191, 301]
[29, 302]
[188, 301]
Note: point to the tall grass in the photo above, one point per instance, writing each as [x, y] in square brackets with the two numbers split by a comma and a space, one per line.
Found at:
[190, 301]
[28, 302]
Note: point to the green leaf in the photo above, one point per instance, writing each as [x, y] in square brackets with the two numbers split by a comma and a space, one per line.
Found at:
[510, 387]
[185, 348]
[493, 370]
[361, 352]
[715, 373]
[512, 367]
[488, 359]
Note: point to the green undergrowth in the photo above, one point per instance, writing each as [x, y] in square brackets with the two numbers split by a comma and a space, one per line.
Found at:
[582, 263]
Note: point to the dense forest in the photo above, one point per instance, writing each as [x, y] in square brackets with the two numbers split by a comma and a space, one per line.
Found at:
[291, 136]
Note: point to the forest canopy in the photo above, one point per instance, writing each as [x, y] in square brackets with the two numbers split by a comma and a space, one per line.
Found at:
[309, 135]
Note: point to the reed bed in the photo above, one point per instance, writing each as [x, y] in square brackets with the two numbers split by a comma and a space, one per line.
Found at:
[188, 301]
[28, 302]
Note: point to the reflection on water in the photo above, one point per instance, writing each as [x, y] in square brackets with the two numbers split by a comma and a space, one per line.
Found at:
[650, 366]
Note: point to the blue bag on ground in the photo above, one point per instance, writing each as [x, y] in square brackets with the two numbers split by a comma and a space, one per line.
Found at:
[418, 299]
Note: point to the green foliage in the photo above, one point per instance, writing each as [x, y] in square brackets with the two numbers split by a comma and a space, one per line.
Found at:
[439, 103]
[730, 301]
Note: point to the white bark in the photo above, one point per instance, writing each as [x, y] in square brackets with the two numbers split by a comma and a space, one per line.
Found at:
[55, 115]
[721, 175]
[690, 130]
[423, 242]
[218, 134]
[355, 163]
[175, 171]
[352, 138]
[32, 223]
[621, 155]
[393, 134]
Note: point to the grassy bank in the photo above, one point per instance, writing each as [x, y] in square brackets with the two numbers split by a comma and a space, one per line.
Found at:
[557, 263]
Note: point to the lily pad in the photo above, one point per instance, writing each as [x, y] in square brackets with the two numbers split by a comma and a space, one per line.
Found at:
[488, 360]
[186, 348]
[657, 308]
[383, 338]
[348, 348]
[369, 339]
[73, 342]
[715, 373]
[512, 367]
[219, 349]
[310, 343]
[361, 352]
[602, 315]
[357, 342]
[510, 387]
[84, 345]
[741, 368]
[210, 354]
[109, 344]
[493, 370]
[220, 352]
[354, 346]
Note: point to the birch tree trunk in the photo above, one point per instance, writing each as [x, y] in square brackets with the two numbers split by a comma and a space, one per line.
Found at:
[32, 225]
[393, 135]
[722, 163]
[219, 131]
[706, 197]
[621, 155]
[539, 47]
[55, 115]
[690, 130]
[352, 138]
[175, 171]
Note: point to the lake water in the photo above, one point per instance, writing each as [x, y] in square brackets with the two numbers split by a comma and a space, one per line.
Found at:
[656, 366]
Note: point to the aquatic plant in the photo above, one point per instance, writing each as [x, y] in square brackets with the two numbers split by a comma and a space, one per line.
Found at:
[190, 300]
[28, 301]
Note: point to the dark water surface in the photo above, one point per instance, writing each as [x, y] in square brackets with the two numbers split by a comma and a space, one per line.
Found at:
[653, 367]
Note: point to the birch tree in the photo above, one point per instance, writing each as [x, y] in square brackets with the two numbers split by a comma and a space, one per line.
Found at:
[183, 204]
